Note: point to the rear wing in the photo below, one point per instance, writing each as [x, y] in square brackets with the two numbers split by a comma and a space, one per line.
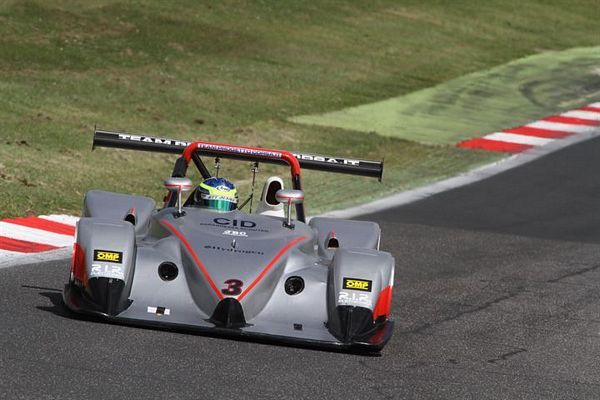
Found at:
[307, 161]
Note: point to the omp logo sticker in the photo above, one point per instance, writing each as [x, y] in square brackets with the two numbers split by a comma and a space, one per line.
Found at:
[357, 284]
[108, 256]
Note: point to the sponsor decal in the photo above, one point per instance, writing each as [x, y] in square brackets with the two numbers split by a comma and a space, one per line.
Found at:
[357, 284]
[242, 150]
[223, 188]
[108, 256]
[235, 222]
[239, 150]
[354, 299]
[235, 233]
[159, 310]
[223, 224]
[330, 160]
[150, 139]
[107, 271]
[233, 250]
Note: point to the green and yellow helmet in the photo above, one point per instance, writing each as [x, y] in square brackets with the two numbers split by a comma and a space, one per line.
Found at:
[217, 194]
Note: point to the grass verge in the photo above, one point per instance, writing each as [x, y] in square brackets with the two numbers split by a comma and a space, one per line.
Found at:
[481, 102]
[235, 71]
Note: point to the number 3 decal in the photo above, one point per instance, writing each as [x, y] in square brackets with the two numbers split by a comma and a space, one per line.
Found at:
[234, 287]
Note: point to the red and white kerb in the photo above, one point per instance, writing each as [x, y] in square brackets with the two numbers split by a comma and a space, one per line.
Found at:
[538, 133]
[28, 235]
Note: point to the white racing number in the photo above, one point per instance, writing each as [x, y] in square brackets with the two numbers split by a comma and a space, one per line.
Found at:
[354, 299]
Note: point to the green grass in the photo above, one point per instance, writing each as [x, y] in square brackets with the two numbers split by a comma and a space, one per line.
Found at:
[236, 71]
[484, 101]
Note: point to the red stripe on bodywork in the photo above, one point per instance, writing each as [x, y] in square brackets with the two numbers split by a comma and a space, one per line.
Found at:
[43, 224]
[194, 256]
[384, 303]
[571, 120]
[494, 145]
[537, 132]
[78, 265]
[592, 109]
[270, 265]
[23, 246]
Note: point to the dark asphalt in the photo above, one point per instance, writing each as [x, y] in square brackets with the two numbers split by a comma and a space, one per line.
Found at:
[499, 298]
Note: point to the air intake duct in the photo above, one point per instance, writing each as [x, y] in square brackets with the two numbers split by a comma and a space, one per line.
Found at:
[228, 314]
[350, 324]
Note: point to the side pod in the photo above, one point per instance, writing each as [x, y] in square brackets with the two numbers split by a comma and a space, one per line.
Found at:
[359, 293]
[102, 268]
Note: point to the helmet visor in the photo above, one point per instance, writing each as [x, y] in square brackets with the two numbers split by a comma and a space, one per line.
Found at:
[221, 205]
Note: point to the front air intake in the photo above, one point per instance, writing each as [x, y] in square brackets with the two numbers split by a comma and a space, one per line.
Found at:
[229, 314]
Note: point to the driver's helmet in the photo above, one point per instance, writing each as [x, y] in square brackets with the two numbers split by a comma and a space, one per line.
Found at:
[217, 194]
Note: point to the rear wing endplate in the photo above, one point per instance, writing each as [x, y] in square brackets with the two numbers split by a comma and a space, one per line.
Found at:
[317, 162]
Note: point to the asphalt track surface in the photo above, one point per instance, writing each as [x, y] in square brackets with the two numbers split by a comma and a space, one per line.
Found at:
[498, 298]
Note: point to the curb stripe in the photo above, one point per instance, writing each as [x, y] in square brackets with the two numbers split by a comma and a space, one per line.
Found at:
[587, 115]
[43, 224]
[63, 219]
[23, 246]
[494, 145]
[592, 109]
[34, 235]
[521, 139]
[539, 133]
[569, 120]
[556, 126]
[543, 133]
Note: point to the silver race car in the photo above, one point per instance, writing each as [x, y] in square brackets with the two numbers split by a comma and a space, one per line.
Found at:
[262, 275]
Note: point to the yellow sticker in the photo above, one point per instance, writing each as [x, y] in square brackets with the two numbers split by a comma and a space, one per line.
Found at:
[108, 256]
[357, 284]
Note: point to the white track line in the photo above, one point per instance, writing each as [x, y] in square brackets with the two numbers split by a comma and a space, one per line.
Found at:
[516, 138]
[20, 232]
[590, 115]
[6, 254]
[63, 219]
[31, 258]
[595, 105]
[557, 126]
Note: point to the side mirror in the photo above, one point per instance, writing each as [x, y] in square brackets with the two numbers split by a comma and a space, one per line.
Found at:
[179, 185]
[289, 197]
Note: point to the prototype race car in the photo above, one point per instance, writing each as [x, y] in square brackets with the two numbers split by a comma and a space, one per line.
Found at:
[258, 274]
